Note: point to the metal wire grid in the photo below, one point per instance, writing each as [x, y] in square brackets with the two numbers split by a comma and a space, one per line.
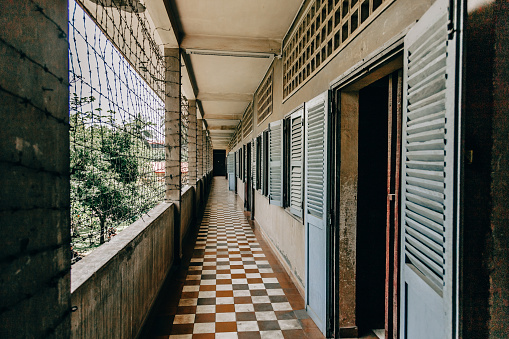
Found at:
[184, 149]
[116, 122]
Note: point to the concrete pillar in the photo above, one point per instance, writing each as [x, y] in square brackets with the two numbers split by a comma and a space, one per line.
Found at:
[35, 251]
[199, 148]
[172, 137]
[191, 144]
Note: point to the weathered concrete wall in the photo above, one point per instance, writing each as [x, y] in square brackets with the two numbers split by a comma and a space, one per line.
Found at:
[286, 236]
[115, 286]
[499, 264]
[349, 175]
[484, 287]
[34, 170]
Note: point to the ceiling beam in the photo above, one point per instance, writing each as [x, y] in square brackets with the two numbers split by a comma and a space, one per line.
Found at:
[222, 128]
[236, 45]
[223, 116]
[222, 121]
[241, 97]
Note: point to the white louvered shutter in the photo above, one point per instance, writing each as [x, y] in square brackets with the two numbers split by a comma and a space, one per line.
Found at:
[231, 163]
[296, 164]
[237, 160]
[253, 162]
[430, 176]
[316, 208]
[264, 163]
[276, 163]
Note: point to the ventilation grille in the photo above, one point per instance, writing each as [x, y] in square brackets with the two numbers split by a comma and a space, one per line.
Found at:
[425, 197]
[324, 29]
[315, 161]
[247, 121]
[265, 98]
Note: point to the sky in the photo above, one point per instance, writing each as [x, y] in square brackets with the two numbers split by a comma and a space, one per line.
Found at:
[98, 69]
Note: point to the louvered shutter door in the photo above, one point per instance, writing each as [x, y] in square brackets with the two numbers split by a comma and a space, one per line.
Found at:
[316, 208]
[296, 165]
[429, 177]
[276, 163]
[264, 163]
[237, 160]
[230, 159]
[253, 162]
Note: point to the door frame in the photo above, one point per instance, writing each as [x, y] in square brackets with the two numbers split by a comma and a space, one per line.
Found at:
[382, 62]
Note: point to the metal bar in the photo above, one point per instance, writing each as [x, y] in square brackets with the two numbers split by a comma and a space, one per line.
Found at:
[395, 282]
[389, 212]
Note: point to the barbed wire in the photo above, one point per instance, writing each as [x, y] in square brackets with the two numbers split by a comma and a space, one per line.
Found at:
[117, 115]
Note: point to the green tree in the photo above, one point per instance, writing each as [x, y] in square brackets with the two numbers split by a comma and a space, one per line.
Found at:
[111, 170]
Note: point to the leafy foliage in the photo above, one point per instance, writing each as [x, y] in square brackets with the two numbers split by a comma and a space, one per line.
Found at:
[112, 177]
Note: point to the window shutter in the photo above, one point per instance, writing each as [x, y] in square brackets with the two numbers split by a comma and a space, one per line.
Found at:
[296, 163]
[430, 175]
[276, 163]
[264, 163]
[237, 159]
[258, 161]
[231, 163]
[253, 162]
[316, 208]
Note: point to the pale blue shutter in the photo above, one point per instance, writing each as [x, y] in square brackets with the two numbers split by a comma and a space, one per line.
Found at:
[316, 208]
[253, 162]
[276, 163]
[237, 163]
[230, 161]
[430, 176]
[296, 165]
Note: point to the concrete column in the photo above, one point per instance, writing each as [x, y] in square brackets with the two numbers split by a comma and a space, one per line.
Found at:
[172, 125]
[172, 138]
[35, 251]
[191, 144]
[199, 147]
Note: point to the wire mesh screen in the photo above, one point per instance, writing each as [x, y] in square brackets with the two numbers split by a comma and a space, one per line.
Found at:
[184, 123]
[116, 75]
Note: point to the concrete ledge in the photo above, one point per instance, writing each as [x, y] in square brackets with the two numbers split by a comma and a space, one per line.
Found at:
[113, 288]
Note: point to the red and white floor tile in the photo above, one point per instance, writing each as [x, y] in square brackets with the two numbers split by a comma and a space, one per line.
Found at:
[234, 287]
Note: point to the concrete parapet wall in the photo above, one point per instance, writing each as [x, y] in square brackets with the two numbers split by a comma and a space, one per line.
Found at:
[115, 286]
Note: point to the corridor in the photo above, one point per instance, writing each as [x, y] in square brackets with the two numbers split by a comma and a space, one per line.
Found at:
[231, 286]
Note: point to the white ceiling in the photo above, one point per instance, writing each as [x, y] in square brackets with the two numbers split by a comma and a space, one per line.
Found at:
[230, 45]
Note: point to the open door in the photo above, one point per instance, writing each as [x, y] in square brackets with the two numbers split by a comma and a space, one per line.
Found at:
[316, 210]
[431, 174]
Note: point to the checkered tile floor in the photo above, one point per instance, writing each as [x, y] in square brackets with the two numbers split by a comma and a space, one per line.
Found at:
[234, 288]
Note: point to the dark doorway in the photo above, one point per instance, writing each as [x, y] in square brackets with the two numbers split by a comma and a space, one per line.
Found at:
[372, 205]
[219, 162]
